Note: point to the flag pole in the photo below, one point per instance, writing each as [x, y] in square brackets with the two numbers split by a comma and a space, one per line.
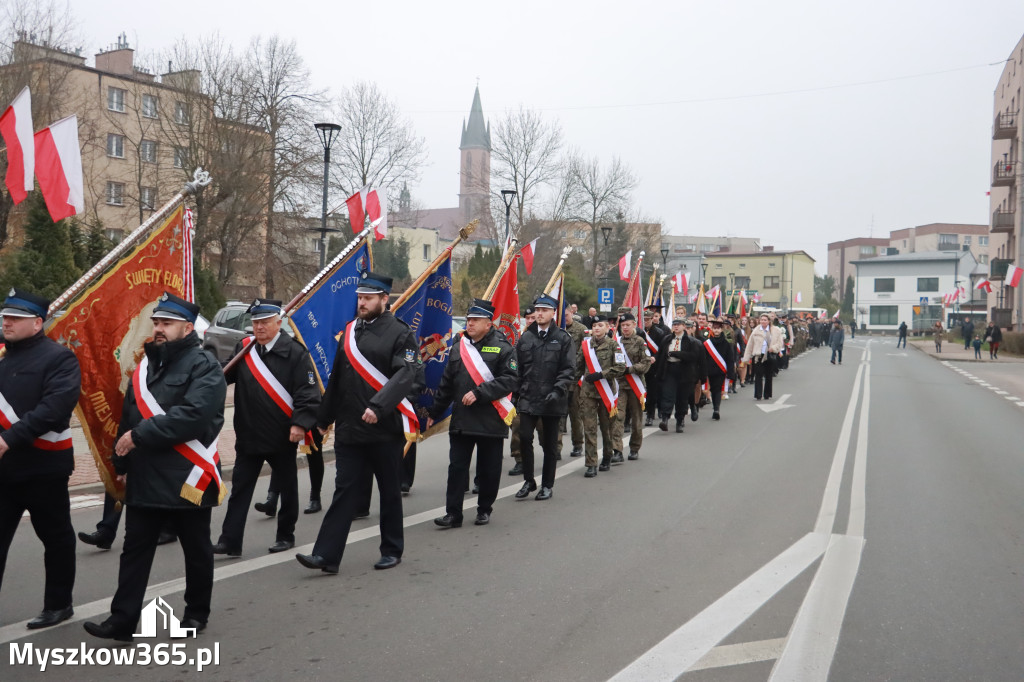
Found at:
[506, 258]
[445, 253]
[200, 179]
[558, 268]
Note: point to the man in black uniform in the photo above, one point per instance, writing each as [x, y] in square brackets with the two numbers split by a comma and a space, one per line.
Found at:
[547, 361]
[680, 364]
[376, 377]
[655, 333]
[39, 383]
[276, 398]
[480, 375]
[166, 449]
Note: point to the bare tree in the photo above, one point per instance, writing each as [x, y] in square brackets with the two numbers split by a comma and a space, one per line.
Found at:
[526, 156]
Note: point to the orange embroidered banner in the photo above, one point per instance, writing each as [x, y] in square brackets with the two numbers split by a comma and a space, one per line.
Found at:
[106, 326]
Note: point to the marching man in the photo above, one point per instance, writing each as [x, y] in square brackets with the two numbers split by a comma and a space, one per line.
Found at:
[600, 363]
[633, 396]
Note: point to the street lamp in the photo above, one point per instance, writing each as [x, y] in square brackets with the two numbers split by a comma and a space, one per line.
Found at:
[327, 133]
[606, 231]
[704, 272]
[507, 195]
[664, 259]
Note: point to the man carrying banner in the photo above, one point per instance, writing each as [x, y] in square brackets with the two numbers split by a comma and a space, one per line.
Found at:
[39, 386]
[166, 450]
[633, 396]
[546, 360]
[276, 399]
[720, 364]
[376, 375]
[479, 379]
[600, 363]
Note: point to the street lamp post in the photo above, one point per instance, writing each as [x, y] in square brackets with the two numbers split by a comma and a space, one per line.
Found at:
[703, 272]
[327, 133]
[664, 260]
[606, 231]
[507, 195]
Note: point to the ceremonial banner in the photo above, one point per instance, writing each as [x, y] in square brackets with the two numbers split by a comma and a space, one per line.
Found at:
[319, 318]
[107, 324]
[506, 302]
[557, 292]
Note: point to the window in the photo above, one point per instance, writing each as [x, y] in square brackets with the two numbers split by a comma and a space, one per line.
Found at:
[948, 241]
[967, 240]
[115, 193]
[885, 314]
[181, 113]
[232, 318]
[771, 265]
[982, 241]
[742, 282]
[147, 197]
[885, 284]
[927, 283]
[426, 252]
[114, 236]
[149, 106]
[115, 146]
[868, 251]
[771, 282]
[579, 234]
[315, 244]
[743, 266]
[718, 266]
[115, 99]
[708, 247]
[147, 151]
[983, 259]
[180, 156]
[718, 282]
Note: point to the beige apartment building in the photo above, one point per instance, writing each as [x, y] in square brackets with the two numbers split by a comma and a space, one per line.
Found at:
[1005, 197]
[778, 276]
[842, 254]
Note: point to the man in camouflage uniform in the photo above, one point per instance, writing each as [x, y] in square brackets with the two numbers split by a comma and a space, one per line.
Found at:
[595, 414]
[577, 331]
[629, 402]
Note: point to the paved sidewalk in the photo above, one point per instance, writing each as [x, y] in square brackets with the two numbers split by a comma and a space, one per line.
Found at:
[954, 352]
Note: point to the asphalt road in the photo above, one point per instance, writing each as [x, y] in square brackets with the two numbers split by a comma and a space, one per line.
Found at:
[866, 529]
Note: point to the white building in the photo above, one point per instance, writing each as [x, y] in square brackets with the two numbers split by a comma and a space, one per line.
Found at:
[909, 288]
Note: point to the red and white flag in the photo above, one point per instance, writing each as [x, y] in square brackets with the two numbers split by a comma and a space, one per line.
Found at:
[681, 283]
[624, 263]
[356, 210]
[836, 316]
[1013, 275]
[985, 286]
[743, 302]
[799, 297]
[527, 252]
[505, 300]
[59, 168]
[368, 202]
[16, 128]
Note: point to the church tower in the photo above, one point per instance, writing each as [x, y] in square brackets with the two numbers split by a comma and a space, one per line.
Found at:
[475, 164]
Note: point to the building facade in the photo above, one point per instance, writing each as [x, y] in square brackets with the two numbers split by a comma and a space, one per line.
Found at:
[780, 277]
[842, 254]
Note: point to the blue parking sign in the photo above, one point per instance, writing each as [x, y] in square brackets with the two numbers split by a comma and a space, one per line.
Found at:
[605, 296]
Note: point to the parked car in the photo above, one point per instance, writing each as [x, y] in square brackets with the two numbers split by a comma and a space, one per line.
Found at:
[229, 326]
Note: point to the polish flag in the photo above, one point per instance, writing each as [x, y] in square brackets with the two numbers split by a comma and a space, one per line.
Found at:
[985, 286]
[743, 302]
[624, 265]
[356, 212]
[681, 283]
[1013, 275]
[377, 208]
[836, 316]
[799, 297]
[16, 128]
[59, 168]
[527, 252]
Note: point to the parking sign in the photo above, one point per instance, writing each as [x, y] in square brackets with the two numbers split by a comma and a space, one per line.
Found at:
[605, 297]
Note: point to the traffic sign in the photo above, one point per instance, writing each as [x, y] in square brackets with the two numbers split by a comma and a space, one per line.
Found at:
[605, 298]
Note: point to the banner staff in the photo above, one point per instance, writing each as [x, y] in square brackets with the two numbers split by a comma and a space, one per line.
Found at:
[445, 253]
[506, 258]
[558, 268]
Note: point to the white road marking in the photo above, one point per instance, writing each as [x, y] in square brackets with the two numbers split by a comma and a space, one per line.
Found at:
[1012, 398]
[830, 501]
[1000, 391]
[740, 654]
[858, 487]
[779, 404]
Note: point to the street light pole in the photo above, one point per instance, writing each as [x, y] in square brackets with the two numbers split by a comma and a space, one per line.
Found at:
[507, 195]
[327, 133]
[606, 231]
[664, 260]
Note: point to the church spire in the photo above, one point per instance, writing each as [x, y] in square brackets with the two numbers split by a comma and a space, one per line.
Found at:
[477, 133]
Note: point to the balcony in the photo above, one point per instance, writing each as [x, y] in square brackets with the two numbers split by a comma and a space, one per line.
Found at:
[997, 268]
[1004, 174]
[1005, 126]
[1003, 221]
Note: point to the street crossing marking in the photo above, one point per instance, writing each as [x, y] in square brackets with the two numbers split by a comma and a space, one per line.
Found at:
[740, 654]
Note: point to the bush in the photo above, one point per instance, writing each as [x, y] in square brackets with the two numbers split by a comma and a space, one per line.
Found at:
[1013, 342]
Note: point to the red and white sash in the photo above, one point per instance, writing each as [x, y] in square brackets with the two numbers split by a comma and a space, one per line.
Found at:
[609, 396]
[479, 372]
[266, 379]
[637, 386]
[48, 441]
[376, 379]
[715, 355]
[204, 458]
[651, 346]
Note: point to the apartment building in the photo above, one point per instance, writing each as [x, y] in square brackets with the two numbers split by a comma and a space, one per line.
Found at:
[780, 277]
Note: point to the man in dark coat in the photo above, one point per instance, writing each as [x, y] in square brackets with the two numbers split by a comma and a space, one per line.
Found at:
[680, 365]
[967, 329]
[547, 360]
[656, 332]
[479, 378]
[375, 380]
[166, 450]
[40, 382]
[276, 399]
[902, 337]
[720, 364]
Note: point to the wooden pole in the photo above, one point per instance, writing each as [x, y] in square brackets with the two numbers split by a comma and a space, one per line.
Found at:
[463, 235]
[558, 270]
[506, 258]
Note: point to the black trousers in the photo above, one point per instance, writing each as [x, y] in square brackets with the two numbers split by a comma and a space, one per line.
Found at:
[141, 530]
[675, 393]
[355, 462]
[715, 383]
[653, 398]
[549, 444]
[763, 373]
[243, 484]
[111, 516]
[315, 462]
[488, 471]
[49, 506]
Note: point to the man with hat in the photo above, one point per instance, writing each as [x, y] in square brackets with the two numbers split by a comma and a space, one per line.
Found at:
[600, 363]
[276, 399]
[375, 380]
[39, 383]
[653, 332]
[479, 379]
[633, 396]
[166, 452]
[680, 364]
[546, 360]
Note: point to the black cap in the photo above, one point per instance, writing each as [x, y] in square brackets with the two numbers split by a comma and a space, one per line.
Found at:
[23, 303]
[545, 301]
[627, 317]
[600, 317]
[481, 308]
[373, 283]
[171, 307]
[529, 311]
[262, 308]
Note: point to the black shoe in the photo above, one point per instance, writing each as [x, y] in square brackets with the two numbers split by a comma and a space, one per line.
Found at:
[313, 507]
[448, 521]
[406, 488]
[543, 494]
[590, 473]
[166, 538]
[199, 625]
[679, 427]
[482, 519]
[604, 466]
[50, 618]
[649, 421]
[715, 416]
[99, 539]
[617, 457]
[517, 470]
[694, 415]
[268, 507]
[362, 515]
[314, 561]
[476, 489]
[663, 425]
[221, 548]
[387, 562]
[280, 546]
[576, 452]
[524, 492]
[634, 455]
[106, 631]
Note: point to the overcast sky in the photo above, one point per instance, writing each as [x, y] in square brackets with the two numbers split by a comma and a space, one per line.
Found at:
[798, 123]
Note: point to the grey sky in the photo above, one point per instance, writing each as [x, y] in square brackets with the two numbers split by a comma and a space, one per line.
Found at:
[674, 89]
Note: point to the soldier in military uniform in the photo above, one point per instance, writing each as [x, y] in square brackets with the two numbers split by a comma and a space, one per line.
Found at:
[638, 363]
[577, 331]
[607, 364]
